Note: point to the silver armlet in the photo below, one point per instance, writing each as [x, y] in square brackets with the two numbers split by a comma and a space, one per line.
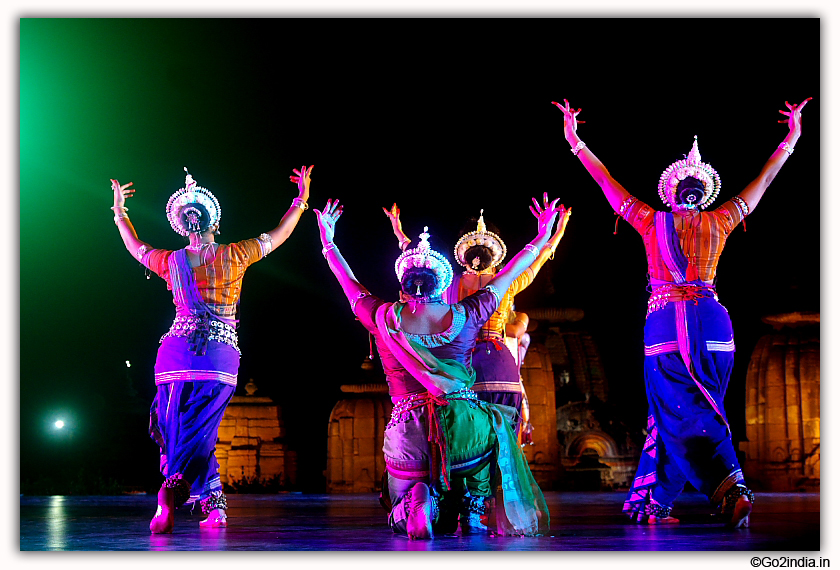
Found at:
[265, 243]
[141, 251]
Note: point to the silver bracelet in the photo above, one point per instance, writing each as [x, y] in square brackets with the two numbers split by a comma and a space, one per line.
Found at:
[329, 247]
[532, 249]
[578, 147]
[300, 203]
[119, 213]
[787, 148]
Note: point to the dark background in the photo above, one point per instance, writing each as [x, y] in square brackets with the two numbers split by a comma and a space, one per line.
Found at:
[443, 116]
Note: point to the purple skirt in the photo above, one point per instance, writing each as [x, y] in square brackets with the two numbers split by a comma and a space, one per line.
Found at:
[188, 409]
[495, 368]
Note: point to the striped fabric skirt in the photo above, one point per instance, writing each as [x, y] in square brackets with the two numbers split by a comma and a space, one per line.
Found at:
[192, 395]
[688, 437]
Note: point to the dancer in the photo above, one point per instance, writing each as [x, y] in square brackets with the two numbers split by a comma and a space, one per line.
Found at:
[198, 359]
[439, 429]
[497, 378]
[689, 346]
[481, 252]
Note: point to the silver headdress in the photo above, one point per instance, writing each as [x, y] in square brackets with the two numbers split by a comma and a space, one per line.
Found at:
[483, 237]
[689, 166]
[424, 256]
[192, 208]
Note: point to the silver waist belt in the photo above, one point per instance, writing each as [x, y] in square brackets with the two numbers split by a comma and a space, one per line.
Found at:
[185, 326]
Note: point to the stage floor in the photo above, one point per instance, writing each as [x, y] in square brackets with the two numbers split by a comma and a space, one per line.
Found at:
[579, 522]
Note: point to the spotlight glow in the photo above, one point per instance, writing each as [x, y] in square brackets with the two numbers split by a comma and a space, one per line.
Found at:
[127, 364]
[59, 424]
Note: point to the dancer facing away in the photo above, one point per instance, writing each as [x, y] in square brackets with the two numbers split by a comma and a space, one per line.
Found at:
[497, 378]
[439, 429]
[198, 359]
[480, 253]
[689, 345]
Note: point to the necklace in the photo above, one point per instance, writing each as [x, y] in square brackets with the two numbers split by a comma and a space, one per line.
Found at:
[201, 249]
[197, 248]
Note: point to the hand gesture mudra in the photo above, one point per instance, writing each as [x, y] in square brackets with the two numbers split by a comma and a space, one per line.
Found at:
[794, 116]
[547, 213]
[570, 121]
[394, 216]
[301, 178]
[327, 219]
[121, 192]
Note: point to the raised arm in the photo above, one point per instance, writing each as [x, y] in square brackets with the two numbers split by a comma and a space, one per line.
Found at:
[755, 190]
[292, 216]
[326, 226]
[396, 225]
[614, 192]
[547, 252]
[129, 236]
[546, 215]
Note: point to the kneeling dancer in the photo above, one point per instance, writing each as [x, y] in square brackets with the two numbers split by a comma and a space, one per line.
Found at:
[439, 429]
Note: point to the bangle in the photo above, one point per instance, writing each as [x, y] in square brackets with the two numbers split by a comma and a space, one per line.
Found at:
[119, 213]
[330, 246]
[578, 147]
[787, 148]
[300, 203]
[532, 249]
[404, 242]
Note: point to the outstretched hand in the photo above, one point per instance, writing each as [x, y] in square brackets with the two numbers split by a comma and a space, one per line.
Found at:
[301, 178]
[327, 219]
[564, 215]
[394, 216]
[547, 213]
[570, 121]
[794, 116]
[121, 192]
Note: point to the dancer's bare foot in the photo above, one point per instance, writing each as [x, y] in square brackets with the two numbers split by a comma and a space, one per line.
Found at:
[217, 518]
[164, 519]
[662, 520]
[419, 524]
[741, 513]
[488, 519]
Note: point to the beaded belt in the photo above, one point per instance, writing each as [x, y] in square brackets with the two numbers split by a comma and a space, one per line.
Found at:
[187, 325]
[674, 292]
[437, 435]
[399, 413]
